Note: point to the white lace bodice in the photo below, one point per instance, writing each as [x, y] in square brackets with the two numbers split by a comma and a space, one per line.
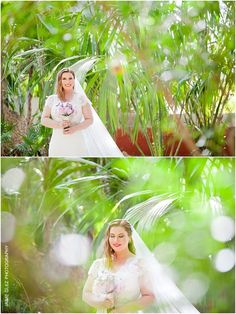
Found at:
[125, 282]
[77, 101]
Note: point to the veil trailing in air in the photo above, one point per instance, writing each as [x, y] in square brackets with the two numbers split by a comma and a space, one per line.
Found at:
[97, 138]
[168, 297]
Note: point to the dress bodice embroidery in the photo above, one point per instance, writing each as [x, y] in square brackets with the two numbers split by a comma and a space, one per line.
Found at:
[75, 104]
[123, 282]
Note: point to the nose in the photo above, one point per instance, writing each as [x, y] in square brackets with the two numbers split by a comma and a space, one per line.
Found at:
[116, 240]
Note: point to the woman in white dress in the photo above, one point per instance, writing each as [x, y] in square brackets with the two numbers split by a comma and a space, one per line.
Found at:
[117, 282]
[77, 130]
[130, 279]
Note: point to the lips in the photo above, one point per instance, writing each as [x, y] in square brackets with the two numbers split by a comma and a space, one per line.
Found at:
[116, 245]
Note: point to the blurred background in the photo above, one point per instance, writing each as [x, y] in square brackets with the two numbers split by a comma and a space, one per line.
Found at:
[159, 73]
[55, 212]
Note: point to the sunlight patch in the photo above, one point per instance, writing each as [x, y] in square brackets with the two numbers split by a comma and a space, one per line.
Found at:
[72, 249]
[8, 224]
[222, 228]
[224, 260]
[12, 180]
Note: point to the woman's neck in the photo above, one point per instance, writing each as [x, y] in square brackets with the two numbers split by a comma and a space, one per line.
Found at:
[122, 256]
[68, 95]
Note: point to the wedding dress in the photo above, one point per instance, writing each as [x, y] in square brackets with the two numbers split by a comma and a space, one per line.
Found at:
[66, 144]
[93, 141]
[124, 282]
[141, 270]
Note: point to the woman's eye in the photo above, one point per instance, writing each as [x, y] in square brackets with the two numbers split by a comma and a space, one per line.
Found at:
[121, 236]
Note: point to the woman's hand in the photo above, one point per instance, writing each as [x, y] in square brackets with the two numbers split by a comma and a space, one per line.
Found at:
[68, 129]
[108, 303]
[119, 310]
[65, 124]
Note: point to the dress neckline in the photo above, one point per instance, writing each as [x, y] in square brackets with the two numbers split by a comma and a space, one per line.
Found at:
[129, 259]
[70, 99]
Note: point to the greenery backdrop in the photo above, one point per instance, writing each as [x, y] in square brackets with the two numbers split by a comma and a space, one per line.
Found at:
[176, 204]
[156, 61]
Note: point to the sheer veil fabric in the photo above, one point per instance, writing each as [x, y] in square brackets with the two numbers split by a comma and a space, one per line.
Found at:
[98, 141]
[168, 297]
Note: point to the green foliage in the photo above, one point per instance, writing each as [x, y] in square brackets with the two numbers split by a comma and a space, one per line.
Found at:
[6, 130]
[170, 201]
[190, 47]
[35, 142]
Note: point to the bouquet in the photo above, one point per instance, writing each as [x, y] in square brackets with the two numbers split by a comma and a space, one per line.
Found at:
[110, 284]
[65, 110]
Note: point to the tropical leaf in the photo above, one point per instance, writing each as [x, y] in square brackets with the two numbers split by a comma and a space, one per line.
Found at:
[145, 214]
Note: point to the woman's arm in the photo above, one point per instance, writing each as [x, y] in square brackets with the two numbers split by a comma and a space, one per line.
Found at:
[88, 120]
[146, 299]
[47, 121]
[103, 301]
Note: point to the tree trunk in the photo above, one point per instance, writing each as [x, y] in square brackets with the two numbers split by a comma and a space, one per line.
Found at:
[29, 99]
[19, 130]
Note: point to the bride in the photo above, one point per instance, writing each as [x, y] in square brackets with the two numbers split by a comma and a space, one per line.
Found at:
[129, 278]
[77, 129]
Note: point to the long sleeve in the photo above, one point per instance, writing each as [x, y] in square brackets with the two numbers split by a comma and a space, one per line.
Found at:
[46, 119]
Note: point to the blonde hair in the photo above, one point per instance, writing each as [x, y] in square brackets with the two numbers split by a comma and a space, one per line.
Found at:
[108, 250]
[59, 88]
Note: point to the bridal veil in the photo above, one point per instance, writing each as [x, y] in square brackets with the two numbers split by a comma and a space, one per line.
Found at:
[97, 138]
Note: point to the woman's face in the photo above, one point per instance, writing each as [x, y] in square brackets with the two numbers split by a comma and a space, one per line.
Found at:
[68, 81]
[118, 238]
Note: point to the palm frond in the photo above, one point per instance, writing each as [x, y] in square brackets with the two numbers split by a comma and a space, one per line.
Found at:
[126, 197]
[145, 214]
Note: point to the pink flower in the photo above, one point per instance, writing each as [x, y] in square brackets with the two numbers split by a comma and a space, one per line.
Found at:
[65, 109]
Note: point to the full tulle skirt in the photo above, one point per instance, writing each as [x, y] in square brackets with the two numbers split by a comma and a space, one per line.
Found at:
[67, 145]
[94, 141]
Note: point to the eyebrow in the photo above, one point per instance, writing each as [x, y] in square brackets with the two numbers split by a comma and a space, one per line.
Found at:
[114, 233]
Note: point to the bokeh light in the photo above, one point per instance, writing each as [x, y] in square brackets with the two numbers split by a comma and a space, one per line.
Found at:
[202, 141]
[8, 225]
[195, 287]
[222, 228]
[165, 253]
[72, 249]
[12, 180]
[67, 37]
[53, 270]
[177, 220]
[117, 64]
[224, 260]
[200, 26]
[171, 272]
[196, 245]
[216, 205]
